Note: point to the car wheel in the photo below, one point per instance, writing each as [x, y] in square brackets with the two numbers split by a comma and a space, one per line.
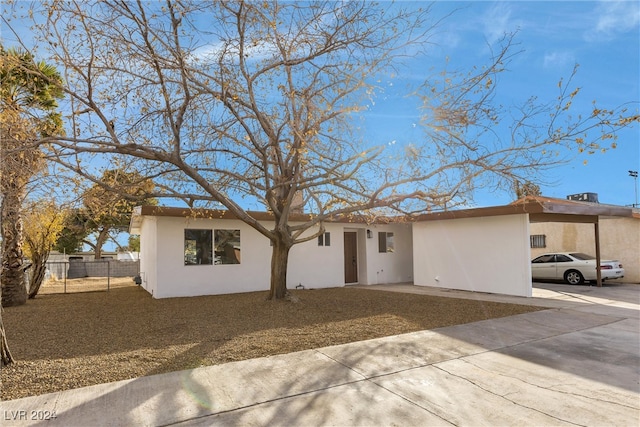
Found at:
[574, 277]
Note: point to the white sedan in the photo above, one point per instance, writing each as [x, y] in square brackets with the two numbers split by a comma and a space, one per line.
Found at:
[574, 268]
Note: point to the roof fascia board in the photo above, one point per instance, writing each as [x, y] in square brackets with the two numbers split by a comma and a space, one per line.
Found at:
[539, 210]
[528, 208]
[260, 216]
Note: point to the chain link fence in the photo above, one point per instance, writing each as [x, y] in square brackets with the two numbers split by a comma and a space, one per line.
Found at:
[87, 276]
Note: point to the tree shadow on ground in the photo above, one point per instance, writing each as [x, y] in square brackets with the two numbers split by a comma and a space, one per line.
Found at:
[81, 339]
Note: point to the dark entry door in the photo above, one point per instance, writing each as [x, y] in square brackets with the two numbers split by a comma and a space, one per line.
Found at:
[350, 257]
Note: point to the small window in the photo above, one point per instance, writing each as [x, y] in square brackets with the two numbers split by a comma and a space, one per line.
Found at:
[227, 247]
[324, 239]
[538, 241]
[385, 242]
[197, 247]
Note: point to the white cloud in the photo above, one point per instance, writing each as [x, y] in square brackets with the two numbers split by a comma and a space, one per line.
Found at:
[559, 59]
[614, 17]
[212, 52]
[497, 21]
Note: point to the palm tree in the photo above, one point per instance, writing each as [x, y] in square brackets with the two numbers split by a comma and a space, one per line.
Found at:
[29, 92]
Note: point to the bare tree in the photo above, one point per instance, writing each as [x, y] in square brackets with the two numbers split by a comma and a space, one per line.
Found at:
[233, 100]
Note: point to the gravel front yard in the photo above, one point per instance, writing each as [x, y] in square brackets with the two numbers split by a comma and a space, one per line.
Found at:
[81, 339]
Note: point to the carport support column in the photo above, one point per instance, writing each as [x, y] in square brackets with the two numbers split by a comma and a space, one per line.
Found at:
[596, 228]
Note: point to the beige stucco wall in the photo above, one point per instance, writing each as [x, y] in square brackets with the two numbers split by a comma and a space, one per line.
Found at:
[619, 239]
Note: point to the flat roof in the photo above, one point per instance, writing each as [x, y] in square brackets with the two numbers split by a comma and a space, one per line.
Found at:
[165, 211]
[539, 208]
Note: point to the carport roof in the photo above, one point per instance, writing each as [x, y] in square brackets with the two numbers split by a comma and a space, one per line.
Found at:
[540, 209]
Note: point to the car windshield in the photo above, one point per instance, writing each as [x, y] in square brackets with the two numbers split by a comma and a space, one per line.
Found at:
[582, 256]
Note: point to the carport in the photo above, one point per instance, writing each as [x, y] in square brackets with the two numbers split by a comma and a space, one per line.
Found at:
[560, 210]
[488, 249]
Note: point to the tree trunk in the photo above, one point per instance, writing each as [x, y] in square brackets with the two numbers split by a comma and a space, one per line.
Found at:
[5, 354]
[39, 268]
[14, 291]
[102, 237]
[279, 262]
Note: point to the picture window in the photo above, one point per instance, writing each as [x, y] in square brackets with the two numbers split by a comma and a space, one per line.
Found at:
[197, 247]
[227, 247]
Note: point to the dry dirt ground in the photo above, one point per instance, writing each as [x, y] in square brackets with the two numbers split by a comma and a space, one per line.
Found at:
[64, 341]
[87, 284]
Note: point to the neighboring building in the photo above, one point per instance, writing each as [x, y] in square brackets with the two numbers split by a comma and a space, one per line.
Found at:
[56, 256]
[483, 249]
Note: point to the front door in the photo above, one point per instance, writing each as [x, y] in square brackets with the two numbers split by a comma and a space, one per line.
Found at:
[350, 257]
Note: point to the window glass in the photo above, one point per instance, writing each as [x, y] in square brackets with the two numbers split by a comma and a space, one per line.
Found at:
[563, 258]
[227, 246]
[385, 242]
[197, 247]
[538, 241]
[324, 239]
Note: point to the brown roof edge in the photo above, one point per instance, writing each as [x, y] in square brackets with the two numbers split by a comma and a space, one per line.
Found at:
[541, 199]
[575, 207]
[258, 215]
[208, 213]
[481, 212]
[535, 205]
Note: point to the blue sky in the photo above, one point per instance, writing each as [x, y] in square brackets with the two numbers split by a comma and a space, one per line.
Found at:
[603, 37]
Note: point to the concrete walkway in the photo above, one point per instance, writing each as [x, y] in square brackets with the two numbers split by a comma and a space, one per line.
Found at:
[577, 363]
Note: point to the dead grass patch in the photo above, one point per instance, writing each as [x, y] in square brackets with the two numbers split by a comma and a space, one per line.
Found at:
[81, 339]
[85, 284]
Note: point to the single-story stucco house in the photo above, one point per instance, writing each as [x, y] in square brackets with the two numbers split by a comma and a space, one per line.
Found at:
[206, 252]
[182, 254]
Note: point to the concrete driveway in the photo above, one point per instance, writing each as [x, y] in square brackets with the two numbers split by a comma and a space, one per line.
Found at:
[576, 363]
